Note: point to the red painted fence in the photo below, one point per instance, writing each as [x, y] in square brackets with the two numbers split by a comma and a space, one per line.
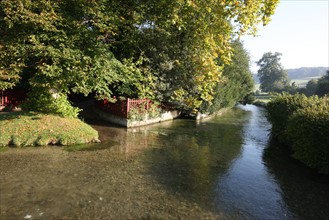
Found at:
[11, 97]
[121, 108]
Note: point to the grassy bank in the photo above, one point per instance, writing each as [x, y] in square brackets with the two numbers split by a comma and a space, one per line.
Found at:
[262, 99]
[33, 129]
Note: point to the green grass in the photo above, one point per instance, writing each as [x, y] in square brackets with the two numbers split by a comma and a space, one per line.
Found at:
[262, 99]
[22, 129]
[257, 87]
[301, 83]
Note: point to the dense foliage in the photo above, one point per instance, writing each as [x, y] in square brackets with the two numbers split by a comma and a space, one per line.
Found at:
[166, 50]
[272, 76]
[237, 83]
[302, 123]
[281, 107]
[57, 46]
[46, 103]
[311, 87]
[308, 131]
[318, 87]
[322, 88]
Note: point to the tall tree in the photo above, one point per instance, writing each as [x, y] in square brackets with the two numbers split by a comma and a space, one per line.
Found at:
[58, 47]
[272, 76]
[311, 87]
[237, 83]
[183, 39]
[323, 85]
[65, 46]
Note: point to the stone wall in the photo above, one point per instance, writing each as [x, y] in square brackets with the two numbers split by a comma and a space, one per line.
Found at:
[168, 115]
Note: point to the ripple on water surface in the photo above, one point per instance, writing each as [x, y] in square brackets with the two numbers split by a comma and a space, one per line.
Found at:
[211, 169]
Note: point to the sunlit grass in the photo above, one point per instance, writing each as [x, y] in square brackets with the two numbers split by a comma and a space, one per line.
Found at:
[22, 129]
[262, 99]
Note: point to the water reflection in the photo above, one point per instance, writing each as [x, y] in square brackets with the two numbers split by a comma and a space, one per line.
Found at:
[247, 190]
[305, 192]
[181, 169]
[186, 157]
[220, 165]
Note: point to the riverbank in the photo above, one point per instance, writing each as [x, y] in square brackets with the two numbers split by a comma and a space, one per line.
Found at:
[22, 129]
[179, 169]
[132, 123]
[261, 100]
[260, 103]
[130, 179]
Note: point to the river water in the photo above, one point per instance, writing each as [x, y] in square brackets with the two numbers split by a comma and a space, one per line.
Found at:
[219, 168]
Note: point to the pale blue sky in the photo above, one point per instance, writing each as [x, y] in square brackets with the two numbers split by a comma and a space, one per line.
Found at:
[299, 30]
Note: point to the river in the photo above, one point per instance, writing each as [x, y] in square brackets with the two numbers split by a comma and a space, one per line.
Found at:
[219, 168]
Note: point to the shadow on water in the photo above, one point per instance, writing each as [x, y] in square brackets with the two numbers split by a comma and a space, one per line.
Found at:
[247, 190]
[90, 147]
[225, 165]
[305, 191]
[188, 156]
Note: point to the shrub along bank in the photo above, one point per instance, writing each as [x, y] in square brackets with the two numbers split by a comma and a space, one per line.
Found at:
[303, 124]
[35, 129]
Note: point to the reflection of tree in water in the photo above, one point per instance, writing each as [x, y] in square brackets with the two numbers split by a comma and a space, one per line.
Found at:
[189, 157]
[305, 191]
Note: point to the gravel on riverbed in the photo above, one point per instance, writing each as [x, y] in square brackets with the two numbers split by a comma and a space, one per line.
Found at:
[50, 183]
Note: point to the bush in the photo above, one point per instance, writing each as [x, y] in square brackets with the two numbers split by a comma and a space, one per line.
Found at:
[308, 131]
[280, 109]
[140, 113]
[303, 124]
[45, 102]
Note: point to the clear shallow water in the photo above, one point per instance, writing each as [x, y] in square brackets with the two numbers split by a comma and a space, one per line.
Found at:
[247, 188]
[218, 162]
[220, 168]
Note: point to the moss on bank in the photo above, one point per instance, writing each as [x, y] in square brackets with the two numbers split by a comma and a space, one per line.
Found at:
[22, 129]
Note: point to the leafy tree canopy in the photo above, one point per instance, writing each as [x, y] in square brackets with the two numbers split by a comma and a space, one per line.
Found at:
[58, 45]
[323, 85]
[85, 46]
[311, 87]
[183, 39]
[272, 76]
[237, 82]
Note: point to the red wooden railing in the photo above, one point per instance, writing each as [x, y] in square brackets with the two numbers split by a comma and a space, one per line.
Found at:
[12, 97]
[121, 108]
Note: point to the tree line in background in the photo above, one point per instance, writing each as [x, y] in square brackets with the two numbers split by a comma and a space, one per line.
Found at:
[274, 78]
[179, 51]
[299, 116]
[318, 87]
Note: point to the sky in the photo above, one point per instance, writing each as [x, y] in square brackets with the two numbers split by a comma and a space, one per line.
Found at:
[299, 30]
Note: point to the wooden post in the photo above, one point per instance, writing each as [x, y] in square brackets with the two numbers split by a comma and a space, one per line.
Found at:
[1, 98]
[128, 105]
[5, 99]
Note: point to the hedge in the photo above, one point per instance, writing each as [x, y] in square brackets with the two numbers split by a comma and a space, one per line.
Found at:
[303, 124]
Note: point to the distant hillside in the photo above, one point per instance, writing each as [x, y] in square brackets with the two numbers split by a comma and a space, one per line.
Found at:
[306, 72]
[302, 73]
